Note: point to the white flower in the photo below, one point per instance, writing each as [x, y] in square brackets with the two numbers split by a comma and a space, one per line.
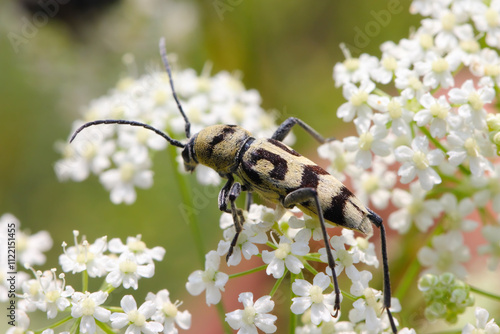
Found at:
[409, 82]
[341, 160]
[168, 314]
[413, 207]
[455, 213]
[473, 146]
[311, 297]
[29, 248]
[89, 154]
[437, 70]
[245, 245]
[395, 113]
[354, 70]
[446, 256]
[132, 170]
[472, 102]
[492, 235]
[371, 310]
[357, 101]
[253, 315]
[369, 140]
[375, 186]
[343, 258]
[138, 247]
[488, 20]
[417, 161]
[55, 294]
[482, 324]
[436, 112]
[428, 7]
[285, 255]
[384, 72]
[135, 318]
[211, 280]
[126, 271]
[85, 256]
[86, 306]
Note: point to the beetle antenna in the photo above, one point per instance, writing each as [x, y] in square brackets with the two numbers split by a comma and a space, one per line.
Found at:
[132, 123]
[163, 52]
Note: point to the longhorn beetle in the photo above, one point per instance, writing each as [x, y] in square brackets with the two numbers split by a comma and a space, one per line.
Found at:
[277, 173]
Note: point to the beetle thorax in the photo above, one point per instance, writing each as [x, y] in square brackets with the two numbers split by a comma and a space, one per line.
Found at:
[218, 146]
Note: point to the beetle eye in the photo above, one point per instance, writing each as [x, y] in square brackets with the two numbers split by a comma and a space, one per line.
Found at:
[189, 162]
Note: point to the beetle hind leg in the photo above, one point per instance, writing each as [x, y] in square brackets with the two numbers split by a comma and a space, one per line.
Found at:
[378, 222]
[303, 195]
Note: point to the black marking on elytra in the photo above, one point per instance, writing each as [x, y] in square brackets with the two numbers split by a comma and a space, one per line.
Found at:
[310, 176]
[335, 213]
[283, 147]
[280, 164]
[220, 137]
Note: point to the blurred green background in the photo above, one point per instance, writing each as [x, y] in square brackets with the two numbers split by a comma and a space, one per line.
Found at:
[49, 71]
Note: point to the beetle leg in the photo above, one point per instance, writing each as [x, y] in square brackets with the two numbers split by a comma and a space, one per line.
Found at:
[377, 221]
[238, 218]
[223, 194]
[303, 195]
[287, 125]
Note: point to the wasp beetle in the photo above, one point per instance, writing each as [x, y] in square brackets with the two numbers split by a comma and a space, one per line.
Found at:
[277, 173]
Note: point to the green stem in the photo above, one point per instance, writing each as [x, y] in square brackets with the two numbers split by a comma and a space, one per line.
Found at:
[292, 324]
[251, 271]
[56, 324]
[484, 293]
[105, 327]
[408, 278]
[187, 198]
[277, 284]
[222, 315]
[85, 281]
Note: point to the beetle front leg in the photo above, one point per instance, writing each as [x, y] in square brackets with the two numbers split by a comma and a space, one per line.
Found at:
[303, 195]
[237, 214]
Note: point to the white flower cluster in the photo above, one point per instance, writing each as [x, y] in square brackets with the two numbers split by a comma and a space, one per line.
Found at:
[425, 115]
[123, 266]
[292, 254]
[122, 156]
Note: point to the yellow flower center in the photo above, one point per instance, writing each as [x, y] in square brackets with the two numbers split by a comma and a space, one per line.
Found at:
[136, 246]
[395, 109]
[371, 184]
[426, 41]
[127, 171]
[88, 306]
[169, 309]
[316, 294]
[415, 83]
[390, 63]
[345, 257]
[471, 147]
[128, 267]
[420, 160]
[249, 315]
[359, 98]
[439, 111]
[352, 64]
[469, 45]
[136, 318]
[52, 296]
[475, 101]
[492, 17]
[448, 21]
[283, 250]
[440, 65]
[365, 141]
